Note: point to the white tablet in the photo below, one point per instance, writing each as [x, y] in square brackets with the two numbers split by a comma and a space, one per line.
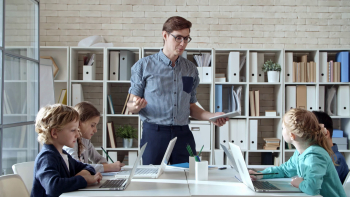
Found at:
[228, 115]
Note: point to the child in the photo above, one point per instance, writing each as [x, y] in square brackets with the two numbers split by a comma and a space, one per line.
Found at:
[341, 167]
[55, 171]
[83, 149]
[310, 162]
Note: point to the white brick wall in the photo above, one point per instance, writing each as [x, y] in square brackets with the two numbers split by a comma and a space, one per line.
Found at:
[216, 23]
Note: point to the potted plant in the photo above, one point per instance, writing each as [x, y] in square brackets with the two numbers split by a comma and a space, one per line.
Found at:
[273, 71]
[128, 133]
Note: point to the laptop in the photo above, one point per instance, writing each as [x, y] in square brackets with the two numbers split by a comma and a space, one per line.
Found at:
[259, 186]
[229, 156]
[116, 184]
[152, 173]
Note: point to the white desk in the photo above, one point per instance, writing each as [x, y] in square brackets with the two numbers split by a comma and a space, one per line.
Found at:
[223, 183]
[170, 184]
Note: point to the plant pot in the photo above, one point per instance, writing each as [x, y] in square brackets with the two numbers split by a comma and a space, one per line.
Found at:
[273, 76]
[127, 142]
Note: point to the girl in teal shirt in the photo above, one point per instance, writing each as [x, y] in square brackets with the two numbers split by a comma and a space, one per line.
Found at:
[311, 164]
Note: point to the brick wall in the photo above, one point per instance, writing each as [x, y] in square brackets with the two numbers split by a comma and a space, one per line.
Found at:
[216, 23]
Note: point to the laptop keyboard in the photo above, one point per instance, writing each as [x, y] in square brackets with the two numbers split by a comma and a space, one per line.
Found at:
[117, 183]
[142, 171]
[264, 185]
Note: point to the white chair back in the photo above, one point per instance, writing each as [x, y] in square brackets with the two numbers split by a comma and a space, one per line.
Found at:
[12, 185]
[26, 171]
[346, 184]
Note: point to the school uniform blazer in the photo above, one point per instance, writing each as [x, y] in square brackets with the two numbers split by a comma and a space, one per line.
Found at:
[315, 166]
[51, 176]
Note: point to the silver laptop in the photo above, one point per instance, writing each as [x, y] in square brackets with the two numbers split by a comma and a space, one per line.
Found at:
[154, 172]
[229, 156]
[259, 186]
[117, 184]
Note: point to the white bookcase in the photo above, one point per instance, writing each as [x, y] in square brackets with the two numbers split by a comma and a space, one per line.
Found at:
[272, 95]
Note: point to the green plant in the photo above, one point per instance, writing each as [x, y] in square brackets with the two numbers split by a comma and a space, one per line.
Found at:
[126, 131]
[269, 65]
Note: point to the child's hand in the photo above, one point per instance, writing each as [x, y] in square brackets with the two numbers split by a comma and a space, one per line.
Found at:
[296, 181]
[254, 178]
[91, 179]
[116, 166]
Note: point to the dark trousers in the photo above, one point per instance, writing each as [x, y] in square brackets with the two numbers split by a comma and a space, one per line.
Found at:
[158, 138]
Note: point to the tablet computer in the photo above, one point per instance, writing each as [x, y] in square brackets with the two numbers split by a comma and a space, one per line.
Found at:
[227, 115]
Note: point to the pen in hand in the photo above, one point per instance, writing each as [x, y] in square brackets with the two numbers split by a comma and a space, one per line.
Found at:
[263, 174]
[107, 154]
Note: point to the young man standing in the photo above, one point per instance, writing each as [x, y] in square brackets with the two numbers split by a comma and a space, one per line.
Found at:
[163, 91]
[342, 167]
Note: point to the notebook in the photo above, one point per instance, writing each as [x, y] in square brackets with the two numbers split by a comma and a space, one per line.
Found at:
[151, 172]
[259, 186]
[116, 184]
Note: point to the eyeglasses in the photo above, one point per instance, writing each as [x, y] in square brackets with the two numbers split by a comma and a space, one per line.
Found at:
[179, 39]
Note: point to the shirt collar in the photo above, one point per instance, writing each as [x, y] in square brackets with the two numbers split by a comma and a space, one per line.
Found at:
[335, 148]
[165, 59]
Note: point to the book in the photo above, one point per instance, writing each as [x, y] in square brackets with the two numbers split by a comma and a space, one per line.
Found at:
[110, 102]
[272, 140]
[251, 103]
[63, 97]
[257, 105]
[126, 103]
[111, 134]
[271, 147]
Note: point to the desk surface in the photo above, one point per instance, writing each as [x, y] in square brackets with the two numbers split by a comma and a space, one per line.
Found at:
[179, 183]
[170, 183]
[223, 183]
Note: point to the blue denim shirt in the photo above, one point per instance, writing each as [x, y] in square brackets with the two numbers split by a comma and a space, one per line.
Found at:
[168, 90]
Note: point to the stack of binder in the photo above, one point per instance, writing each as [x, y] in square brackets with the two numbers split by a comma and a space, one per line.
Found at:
[254, 105]
[227, 99]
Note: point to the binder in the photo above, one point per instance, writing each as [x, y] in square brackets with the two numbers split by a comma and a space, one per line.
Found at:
[126, 61]
[289, 67]
[323, 67]
[237, 133]
[253, 134]
[321, 97]
[343, 95]
[257, 102]
[77, 94]
[251, 103]
[207, 74]
[291, 92]
[253, 67]
[301, 97]
[110, 102]
[218, 98]
[113, 65]
[223, 133]
[63, 97]
[218, 157]
[200, 73]
[233, 132]
[132, 156]
[343, 58]
[261, 74]
[233, 67]
[311, 98]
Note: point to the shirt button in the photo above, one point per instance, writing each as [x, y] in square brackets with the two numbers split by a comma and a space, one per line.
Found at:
[174, 117]
[175, 105]
[174, 92]
[174, 79]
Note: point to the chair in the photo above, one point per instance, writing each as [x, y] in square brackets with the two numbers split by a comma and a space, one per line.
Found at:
[12, 185]
[26, 171]
[346, 185]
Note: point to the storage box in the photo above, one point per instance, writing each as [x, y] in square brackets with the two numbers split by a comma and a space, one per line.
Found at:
[340, 140]
[207, 74]
[201, 134]
[337, 133]
[89, 73]
[342, 147]
[270, 113]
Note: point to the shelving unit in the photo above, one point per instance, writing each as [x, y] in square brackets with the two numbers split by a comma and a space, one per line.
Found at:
[272, 95]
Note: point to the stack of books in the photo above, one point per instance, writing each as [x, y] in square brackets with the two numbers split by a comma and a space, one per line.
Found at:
[304, 71]
[271, 144]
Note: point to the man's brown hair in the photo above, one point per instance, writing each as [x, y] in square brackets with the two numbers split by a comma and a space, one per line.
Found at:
[175, 23]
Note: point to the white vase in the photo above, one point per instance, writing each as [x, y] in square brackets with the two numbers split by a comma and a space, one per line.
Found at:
[127, 142]
[273, 76]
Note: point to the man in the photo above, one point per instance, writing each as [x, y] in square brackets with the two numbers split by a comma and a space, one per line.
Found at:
[163, 91]
[342, 167]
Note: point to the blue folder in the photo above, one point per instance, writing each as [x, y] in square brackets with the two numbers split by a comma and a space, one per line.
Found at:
[337, 133]
[343, 58]
[218, 98]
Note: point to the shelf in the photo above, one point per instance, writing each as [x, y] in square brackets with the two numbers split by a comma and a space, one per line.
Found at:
[300, 83]
[334, 83]
[18, 115]
[264, 117]
[238, 117]
[205, 83]
[60, 81]
[290, 150]
[264, 83]
[15, 149]
[16, 81]
[263, 151]
[231, 83]
[344, 151]
[125, 149]
[340, 116]
[119, 81]
[82, 81]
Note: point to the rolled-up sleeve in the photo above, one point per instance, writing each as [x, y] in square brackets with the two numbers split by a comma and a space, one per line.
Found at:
[136, 80]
